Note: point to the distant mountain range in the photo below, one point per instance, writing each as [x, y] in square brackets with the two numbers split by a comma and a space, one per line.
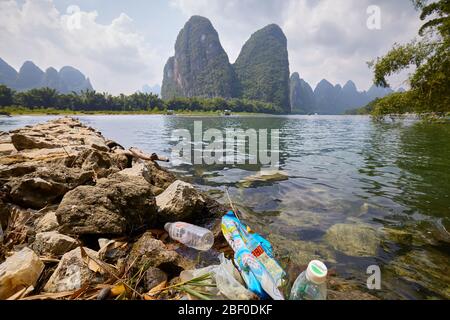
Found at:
[156, 89]
[330, 99]
[200, 67]
[66, 80]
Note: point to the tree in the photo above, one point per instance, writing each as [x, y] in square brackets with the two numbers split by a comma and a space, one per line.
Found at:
[6, 96]
[430, 55]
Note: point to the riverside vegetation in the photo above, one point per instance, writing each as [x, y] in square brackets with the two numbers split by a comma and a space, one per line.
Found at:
[46, 100]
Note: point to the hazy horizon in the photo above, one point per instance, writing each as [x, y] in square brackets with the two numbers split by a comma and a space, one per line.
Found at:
[123, 46]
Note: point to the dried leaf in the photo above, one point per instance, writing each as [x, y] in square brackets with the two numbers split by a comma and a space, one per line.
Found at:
[117, 290]
[157, 289]
[91, 264]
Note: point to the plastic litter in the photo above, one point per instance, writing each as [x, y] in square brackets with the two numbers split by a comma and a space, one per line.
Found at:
[190, 235]
[254, 272]
[227, 286]
[311, 284]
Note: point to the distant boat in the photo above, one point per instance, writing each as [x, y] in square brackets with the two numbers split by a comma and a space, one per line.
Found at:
[227, 113]
[170, 112]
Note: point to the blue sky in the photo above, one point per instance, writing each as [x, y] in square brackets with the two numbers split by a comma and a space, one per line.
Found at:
[123, 45]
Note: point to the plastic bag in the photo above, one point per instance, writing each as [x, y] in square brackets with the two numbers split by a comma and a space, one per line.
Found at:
[227, 286]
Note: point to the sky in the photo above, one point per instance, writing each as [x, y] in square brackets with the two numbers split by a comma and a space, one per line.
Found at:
[123, 45]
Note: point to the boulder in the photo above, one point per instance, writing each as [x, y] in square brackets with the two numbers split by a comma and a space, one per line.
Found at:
[73, 272]
[46, 185]
[7, 149]
[180, 202]
[114, 206]
[353, 239]
[104, 164]
[40, 156]
[157, 176]
[96, 142]
[136, 170]
[149, 252]
[19, 271]
[24, 142]
[48, 222]
[53, 243]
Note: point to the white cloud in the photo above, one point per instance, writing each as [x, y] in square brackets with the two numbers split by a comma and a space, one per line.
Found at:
[327, 38]
[115, 56]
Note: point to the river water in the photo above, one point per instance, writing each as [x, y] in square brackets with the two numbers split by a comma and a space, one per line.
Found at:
[390, 177]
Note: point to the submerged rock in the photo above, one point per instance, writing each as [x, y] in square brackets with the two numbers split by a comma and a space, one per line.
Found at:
[53, 243]
[114, 206]
[73, 272]
[263, 176]
[353, 239]
[180, 202]
[397, 236]
[19, 271]
[428, 269]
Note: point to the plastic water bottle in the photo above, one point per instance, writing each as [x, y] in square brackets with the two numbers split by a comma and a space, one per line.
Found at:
[311, 284]
[190, 235]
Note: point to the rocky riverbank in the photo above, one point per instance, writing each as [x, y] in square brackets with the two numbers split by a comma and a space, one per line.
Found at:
[79, 213]
[83, 218]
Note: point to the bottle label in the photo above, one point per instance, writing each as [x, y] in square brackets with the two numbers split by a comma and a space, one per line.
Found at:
[177, 230]
[270, 264]
[258, 251]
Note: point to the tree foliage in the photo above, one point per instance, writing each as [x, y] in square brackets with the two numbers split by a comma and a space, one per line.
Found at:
[46, 98]
[429, 55]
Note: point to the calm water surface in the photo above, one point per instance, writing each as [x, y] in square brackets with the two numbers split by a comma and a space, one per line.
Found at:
[341, 169]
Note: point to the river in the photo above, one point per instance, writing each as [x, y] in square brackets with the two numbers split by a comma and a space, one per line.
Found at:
[392, 177]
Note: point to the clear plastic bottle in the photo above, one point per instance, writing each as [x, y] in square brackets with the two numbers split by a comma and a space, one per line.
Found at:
[190, 235]
[311, 284]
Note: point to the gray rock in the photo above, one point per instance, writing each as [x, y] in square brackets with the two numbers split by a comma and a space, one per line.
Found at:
[150, 252]
[180, 202]
[46, 185]
[353, 239]
[72, 272]
[157, 176]
[48, 222]
[53, 243]
[153, 277]
[19, 271]
[114, 206]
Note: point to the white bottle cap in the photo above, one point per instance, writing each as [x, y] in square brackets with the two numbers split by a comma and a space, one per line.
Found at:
[317, 272]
